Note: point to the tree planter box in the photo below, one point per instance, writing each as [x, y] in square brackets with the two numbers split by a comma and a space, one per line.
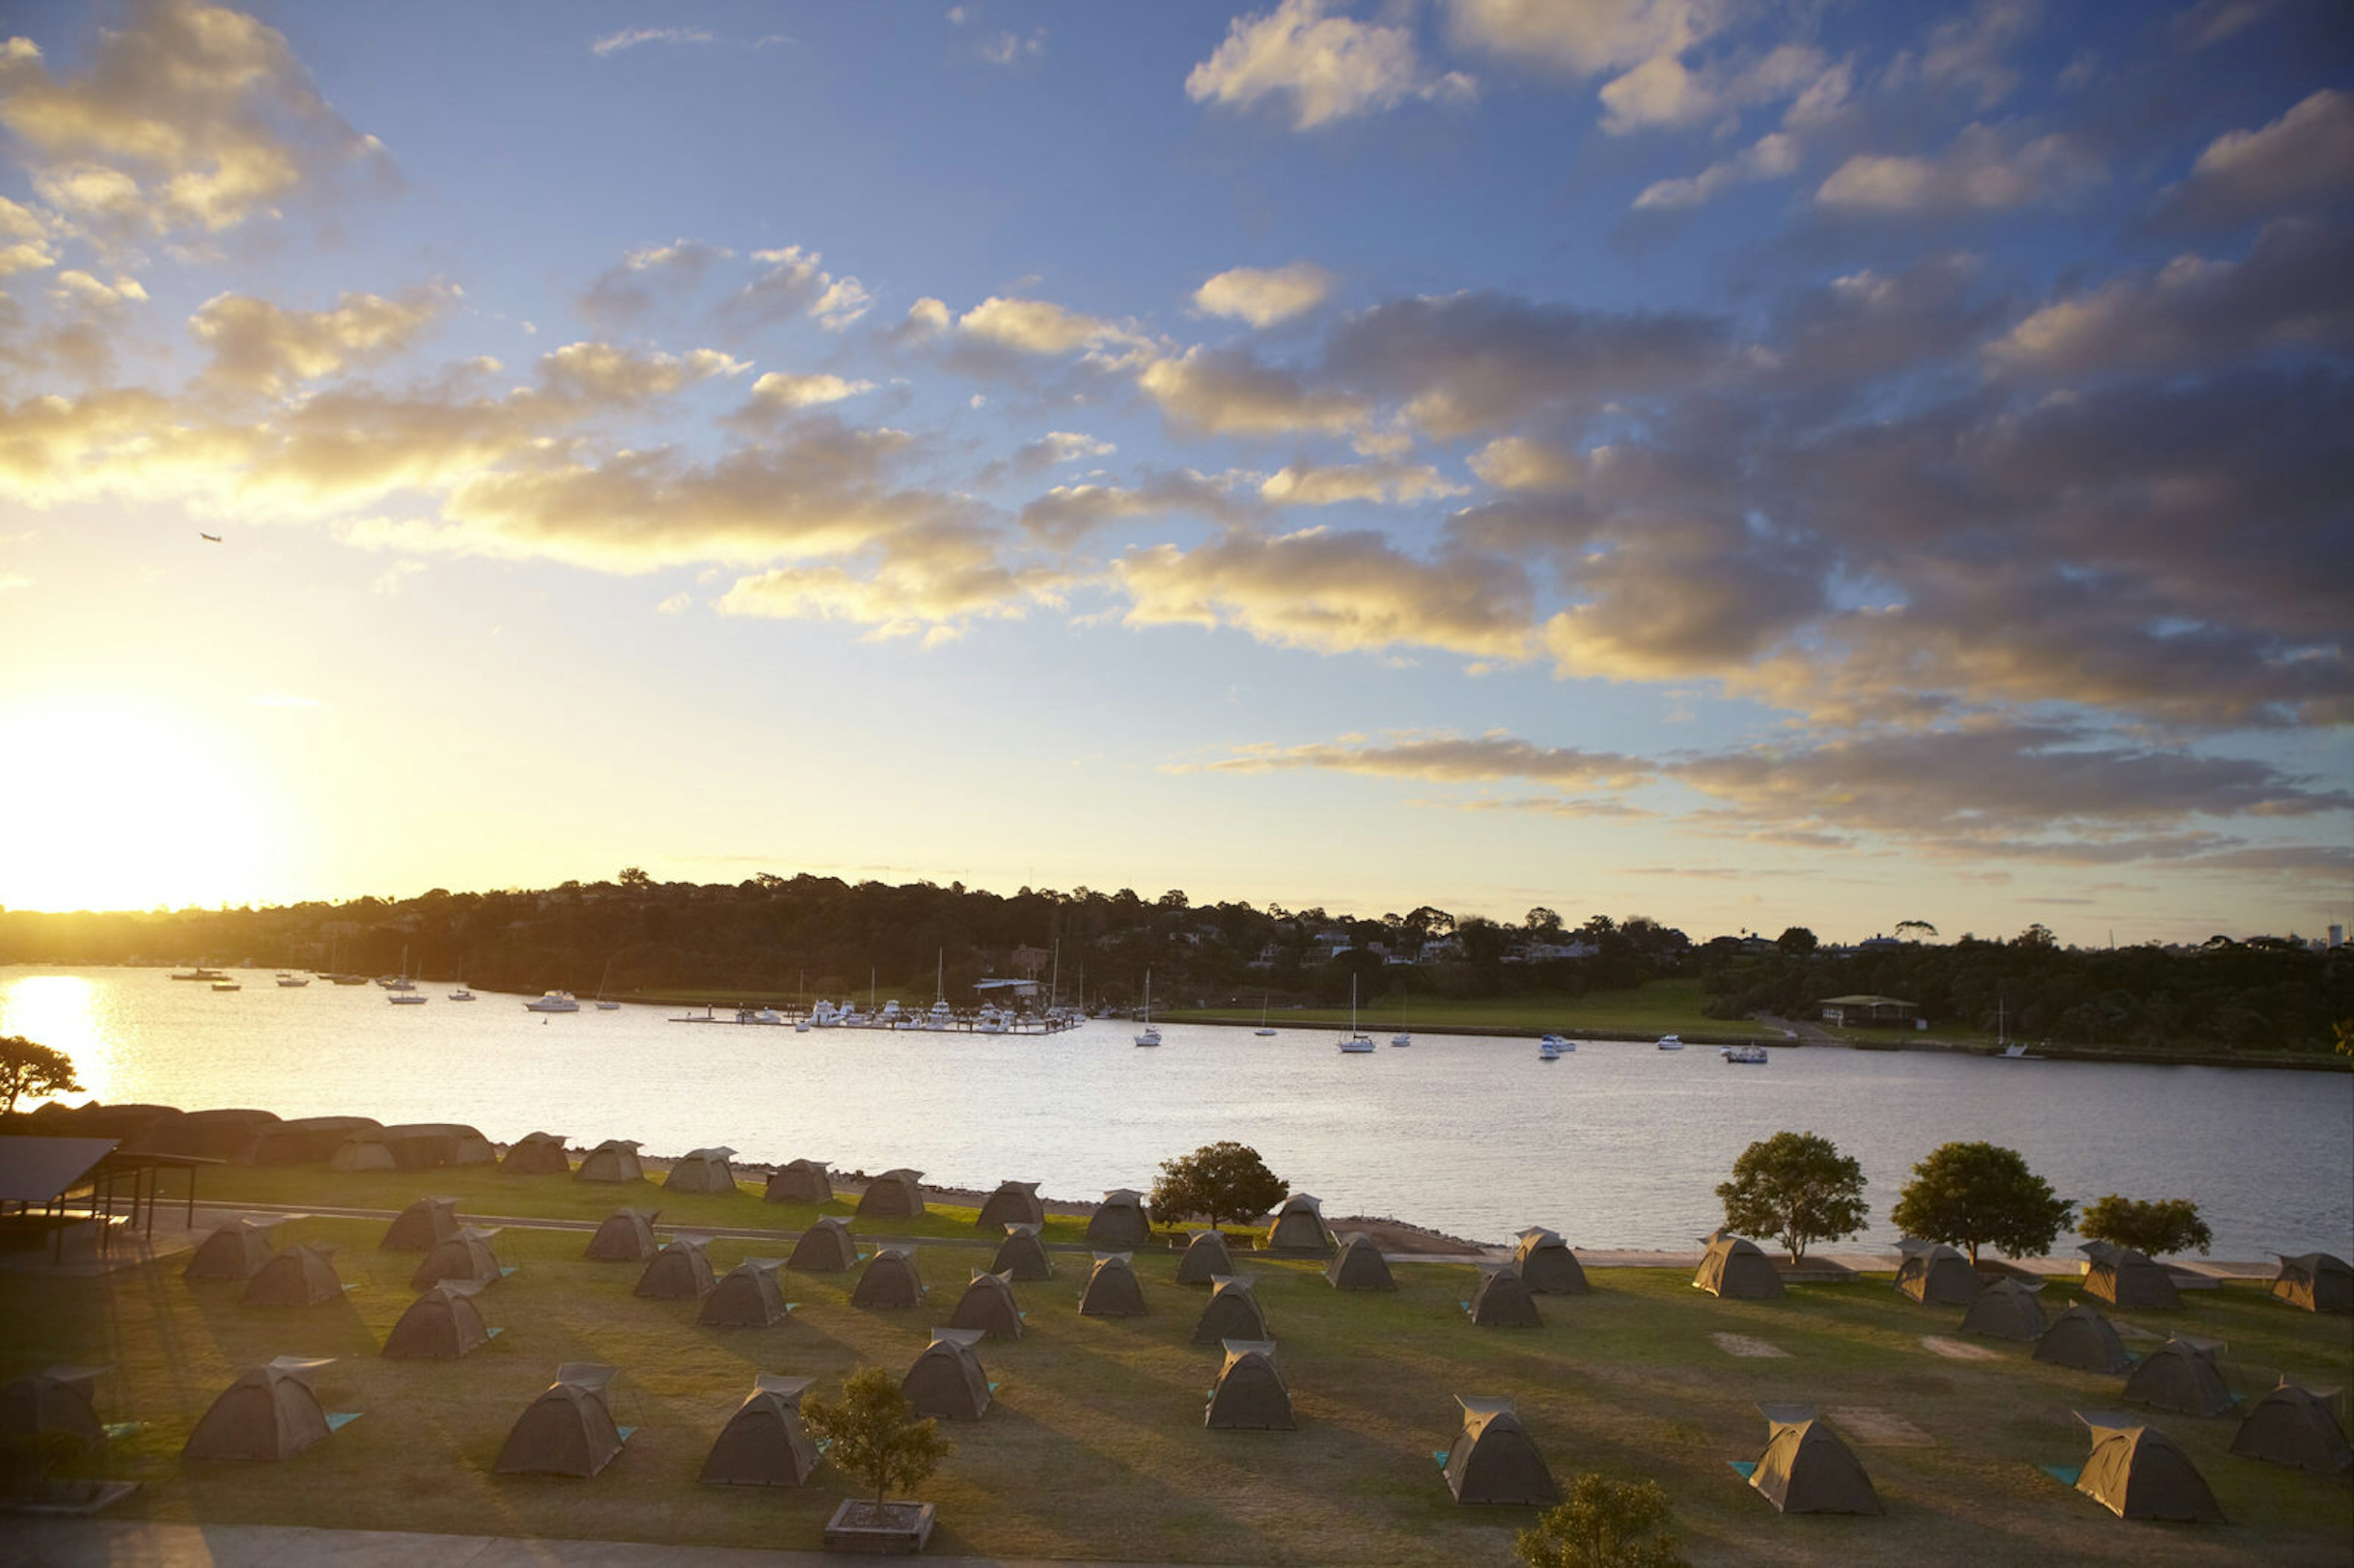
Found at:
[897, 1530]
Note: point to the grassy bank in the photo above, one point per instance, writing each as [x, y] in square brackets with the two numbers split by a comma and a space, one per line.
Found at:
[1662, 1007]
[1097, 1448]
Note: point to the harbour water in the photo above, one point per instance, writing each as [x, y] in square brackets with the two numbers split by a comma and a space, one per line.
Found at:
[1617, 1145]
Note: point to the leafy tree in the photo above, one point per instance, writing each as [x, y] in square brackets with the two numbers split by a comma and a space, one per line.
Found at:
[29, 1069]
[874, 1433]
[2152, 1226]
[1919, 928]
[1541, 921]
[1217, 1181]
[1796, 940]
[1974, 1194]
[633, 876]
[1604, 1524]
[2036, 936]
[1797, 1187]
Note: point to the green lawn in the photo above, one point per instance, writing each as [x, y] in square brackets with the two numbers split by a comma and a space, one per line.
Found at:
[1659, 1008]
[1097, 1447]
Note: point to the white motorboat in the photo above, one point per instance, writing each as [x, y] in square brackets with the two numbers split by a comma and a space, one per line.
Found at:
[554, 1001]
[1745, 1056]
[1560, 1043]
[768, 1016]
[201, 973]
[226, 985]
[461, 993]
[1147, 1035]
[1547, 1051]
[1357, 1042]
[411, 998]
[821, 1015]
[288, 980]
[1671, 1043]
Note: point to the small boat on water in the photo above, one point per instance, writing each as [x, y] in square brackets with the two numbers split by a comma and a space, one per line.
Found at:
[1549, 1049]
[461, 993]
[226, 985]
[554, 1001]
[1745, 1056]
[1558, 1043]
[1263, 1030]
[289, 980]
[767, 1016]
[1147, 1035]
[408, 998]
[605, 1003]
[1355, 1043]
[201, 973]
[1672, 1042]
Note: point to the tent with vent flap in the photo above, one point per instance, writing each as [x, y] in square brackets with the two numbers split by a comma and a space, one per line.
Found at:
[1359, 1265]
[946, 1380]
[464, 1256]
[890, 1281]
[896, 1195]
[2083, 1338]
[1013, 1203]
[269, 1413]
[748, 1298]
[1494, 1460]
[422, 1227]
[799, 1182]
[989, 1306]
[1232, 1313]
[568, 1430]
[2138, 1472]
[2295, 1427]
[613, 1160]
[1547, 1265]
[681, 1271]
[1732, 1267]
[2316, 1281]
[1501, 1300]
[1805, 1468]
[302, 1276]
[2124, 1278]
[763, 1443]
[536, 1154]
[59, 1403]
[235, 1251]
[1206, 1257]
[1936, 1275]
[1112, 1289]
[1120, 1222]
[2007, 1309]
[1298, 1227]
[626, 1235]
[1022, 1255]
[702, 1171]
[2183, 1376]
[442, 1325]
[1249, 1394]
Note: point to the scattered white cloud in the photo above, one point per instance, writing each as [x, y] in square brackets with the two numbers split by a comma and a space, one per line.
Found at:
[1265, 295]
[633, 37]
[1327, 67]
[2305, 157]
[1987, 168]
[778, 389]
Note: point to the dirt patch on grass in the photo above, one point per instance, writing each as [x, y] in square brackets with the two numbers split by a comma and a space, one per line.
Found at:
[1748, 1348]
[1870, 1424]
[1957, 1350]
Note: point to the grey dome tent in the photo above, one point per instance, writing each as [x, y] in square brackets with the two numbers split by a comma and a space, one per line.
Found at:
[536, 1154]
[748, 1298]
[1547, 1265]
[890, 1280]
[1936, 1275]
[946, 1380]
[299, 1276]
[1022, 1255]
[1501, 1300]
[613, 1160]
[1232, 1313]
[1013, 1203]
[423, 1145]
[2180, 1377]
[1249, 1394]
[235, 1251]
[1118, 1223]
[465, 1256]
[224, 1135]
[1734, 1269]
[681, 1271]
[268, 1412]
[2137, 1472]
[2007, 1309]
[1298, 1227]
[763, 1443]
[363, 1149]
[825, 1247]
[894, 1195]
[1112, 1289]
[799, 1182]
[1359, 1265]
[568, 1430]
[60, 1400]
[2124, 1278]
[627, 1236]
[2294, 1426]
[989, 1306]
[702, 1171]
[1205, 1258]
[2316, 1281]
[2083, 1338]
[422, 1227]
[306, 1141]
[1494, 1460]
[443, 1324]
[1807, 1470]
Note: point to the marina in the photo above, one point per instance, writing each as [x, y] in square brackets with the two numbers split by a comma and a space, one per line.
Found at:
[1617, 1144]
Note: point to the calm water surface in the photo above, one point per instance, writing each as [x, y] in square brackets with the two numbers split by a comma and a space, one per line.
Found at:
[1618, 1145]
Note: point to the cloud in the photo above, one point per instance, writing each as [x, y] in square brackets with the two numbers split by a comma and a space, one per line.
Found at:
[1328, 67]
[1042, 328]
[1986, 168]
[1383, 483]
[600, 373]
[26, 238]
[779, 391]
[1265, 295]
[2291, 292]
[1005, 49]
[2303, 158]
[190, 117]
[1334, 592]
[929, 581]
[76, 287]
[792, 283]
[627, 293]
[1584, 39]
[632, 37]
[1771, 157]
[1661, 93]
[1068, 513]
[1225, 391]
[258, 346]
[1519, 463]
[1969, 54]
[1058, 447]
[1447, 758]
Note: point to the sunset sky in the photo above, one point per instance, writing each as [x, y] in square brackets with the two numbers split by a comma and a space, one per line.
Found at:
[1746, 464]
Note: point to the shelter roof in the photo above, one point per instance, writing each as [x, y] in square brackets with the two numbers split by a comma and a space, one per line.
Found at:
[37, 1170]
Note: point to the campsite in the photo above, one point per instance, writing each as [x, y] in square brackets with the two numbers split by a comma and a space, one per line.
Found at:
[1094, 1442]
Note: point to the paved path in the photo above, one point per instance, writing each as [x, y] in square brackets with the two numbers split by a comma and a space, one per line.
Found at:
[134, 1543]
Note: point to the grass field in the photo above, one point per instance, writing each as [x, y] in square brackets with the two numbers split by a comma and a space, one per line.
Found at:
[1096, 1447]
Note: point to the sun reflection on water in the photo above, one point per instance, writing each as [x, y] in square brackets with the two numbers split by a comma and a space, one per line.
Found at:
[62, 1011]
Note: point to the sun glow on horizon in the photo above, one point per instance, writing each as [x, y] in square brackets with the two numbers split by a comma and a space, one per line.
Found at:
[111, 805]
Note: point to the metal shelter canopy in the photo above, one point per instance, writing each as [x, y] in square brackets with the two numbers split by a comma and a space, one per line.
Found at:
[46, 1173]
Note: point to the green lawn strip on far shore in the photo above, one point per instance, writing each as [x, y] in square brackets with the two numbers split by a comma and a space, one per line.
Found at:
[1668, 1006]
[1096, 1447]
